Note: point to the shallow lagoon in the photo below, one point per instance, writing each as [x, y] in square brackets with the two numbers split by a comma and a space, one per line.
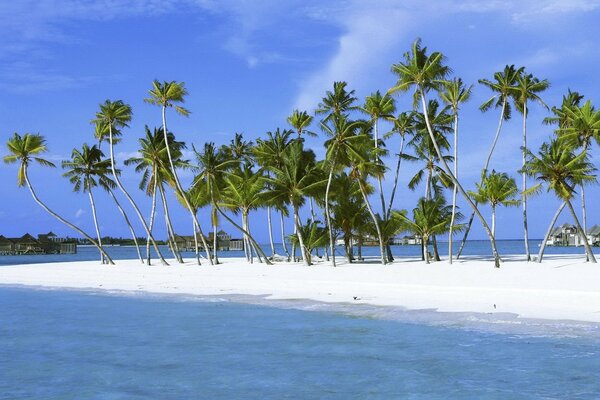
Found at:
[72, 345]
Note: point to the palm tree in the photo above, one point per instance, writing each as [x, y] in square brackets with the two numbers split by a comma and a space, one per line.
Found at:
[153, 164]
[115, 115]
[365, 163]
[424, 73]
[85, 169]
[430, 217]
[270, 153]
[337, 102]
[25, 150]
[454, 94]
[527, 89]
[314, 236]
[300, 121]
[296, 178]
[557, 165]
[582, 126]
[404, 124]
[496, 189]
[212, 167]
[379, 106]
[344, 135]
[166, 95]
[503, 86]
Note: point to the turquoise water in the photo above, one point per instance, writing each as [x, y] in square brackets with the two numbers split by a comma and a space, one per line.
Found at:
[84, 345]
[472, 248]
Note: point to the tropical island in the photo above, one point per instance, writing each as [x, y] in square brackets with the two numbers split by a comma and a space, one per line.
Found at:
[340, 198]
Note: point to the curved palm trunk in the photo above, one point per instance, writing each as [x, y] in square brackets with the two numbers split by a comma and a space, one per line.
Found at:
[215, 237]
[180, 188]
[133, 235]
[314, 219]
[549, 231]
[582, 235]
[64, 221]
[151, 221]
[494, 221]
[454, 188]
[174, 246]
[457, 183]
[283, 241]
[243, 231]
[524, 183]
[391, 204]
[303, 251]
[197, 246]
[379, 236]
[135, 207]
[485, 168]
[271, 242]
[93, 205]
[327, 212]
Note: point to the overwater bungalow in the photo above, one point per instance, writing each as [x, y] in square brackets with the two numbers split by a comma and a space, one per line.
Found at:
[48, 243]
[568, 235]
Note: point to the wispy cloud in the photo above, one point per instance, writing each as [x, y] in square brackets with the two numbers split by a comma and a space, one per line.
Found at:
[79, 212]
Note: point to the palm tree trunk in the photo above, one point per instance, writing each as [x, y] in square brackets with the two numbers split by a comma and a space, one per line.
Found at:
[391, 204]
[494, 221]
[549, 231]
[196, 244]
[425, 248]
[215, 238]
[271, 242]
[133, 235]
[180, 188]
[133, 204]
[255, 245]
[300, 238]
[243, 231]
[583, 212]
[582, 235]
[379, 237]
[485, 168]
[314, 219]
[283, 241]
[380, 184]
[151, 221]
[436, 253]
[93, 205]
[327, 212]
[175, 248]
[454, 189]
[457, 183]
[64, 221]
[524, 183]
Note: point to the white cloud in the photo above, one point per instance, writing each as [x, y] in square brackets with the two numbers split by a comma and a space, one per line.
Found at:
[79, 213]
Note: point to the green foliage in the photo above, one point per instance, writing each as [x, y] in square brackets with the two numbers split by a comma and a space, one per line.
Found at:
[24, 149]
[497, 189]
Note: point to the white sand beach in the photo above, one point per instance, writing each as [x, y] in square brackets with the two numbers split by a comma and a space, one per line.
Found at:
[562, 287]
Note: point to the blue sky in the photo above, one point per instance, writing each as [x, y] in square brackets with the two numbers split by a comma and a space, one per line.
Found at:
[248, 64]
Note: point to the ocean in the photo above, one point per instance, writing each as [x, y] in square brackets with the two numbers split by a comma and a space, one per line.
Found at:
[67, 344]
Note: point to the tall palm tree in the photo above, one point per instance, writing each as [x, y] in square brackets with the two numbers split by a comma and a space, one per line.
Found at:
[365, 163]
[527, 90]
[212, 166]
[85, 169]
[404, 124]
[270, 153]
[167, 95]
[557, 165]
[115, 115]
[503, 85]
[344, 134]
[581, 129]
[314, 236]
[296, 178]
[25, 150]
[454, 94]
[378, 106]
[424, 72]
[497, 189]
[154, 166]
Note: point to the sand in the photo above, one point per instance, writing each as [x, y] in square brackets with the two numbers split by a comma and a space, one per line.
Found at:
[562, 287]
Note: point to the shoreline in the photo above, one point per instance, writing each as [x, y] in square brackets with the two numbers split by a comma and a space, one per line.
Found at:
[561, 288]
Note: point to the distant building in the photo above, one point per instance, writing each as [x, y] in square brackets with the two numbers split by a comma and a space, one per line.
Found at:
[593, 235]
[224, 242]
[48, 243]
[564, 235]
[407, 240]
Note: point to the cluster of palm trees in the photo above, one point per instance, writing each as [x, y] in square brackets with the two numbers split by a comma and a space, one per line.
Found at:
[281, 174]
